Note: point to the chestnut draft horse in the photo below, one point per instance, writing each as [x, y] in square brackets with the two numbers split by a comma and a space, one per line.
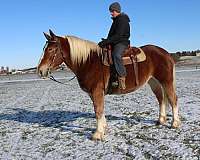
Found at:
[83, 57]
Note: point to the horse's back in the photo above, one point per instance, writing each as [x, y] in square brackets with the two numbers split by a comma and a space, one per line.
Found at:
[153, 50]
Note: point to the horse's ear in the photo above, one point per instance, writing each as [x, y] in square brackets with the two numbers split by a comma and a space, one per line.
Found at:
[52, 34]
[48, 37]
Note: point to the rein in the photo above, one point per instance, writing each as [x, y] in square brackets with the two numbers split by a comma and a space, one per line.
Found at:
[53, 79]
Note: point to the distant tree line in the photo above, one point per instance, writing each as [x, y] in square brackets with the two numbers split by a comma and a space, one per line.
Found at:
[188, 53]
[176, 56]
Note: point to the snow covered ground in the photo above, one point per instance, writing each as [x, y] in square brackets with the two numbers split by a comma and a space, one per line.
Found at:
[40, 119]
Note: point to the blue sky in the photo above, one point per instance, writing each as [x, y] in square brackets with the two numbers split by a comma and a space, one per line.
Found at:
[171, 24]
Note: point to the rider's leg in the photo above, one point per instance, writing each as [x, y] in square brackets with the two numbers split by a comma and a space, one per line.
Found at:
[117, 54]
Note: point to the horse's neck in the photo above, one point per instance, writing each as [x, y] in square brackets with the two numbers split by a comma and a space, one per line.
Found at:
[66, 55]
[84, 69]
[89, 69]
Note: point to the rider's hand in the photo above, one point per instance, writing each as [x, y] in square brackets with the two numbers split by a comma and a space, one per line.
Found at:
[103, 43]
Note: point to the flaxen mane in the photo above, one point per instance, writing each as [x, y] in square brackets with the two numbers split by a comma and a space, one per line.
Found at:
[81, 49]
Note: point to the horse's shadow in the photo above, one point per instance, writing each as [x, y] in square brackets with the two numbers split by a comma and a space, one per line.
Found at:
[64, 119]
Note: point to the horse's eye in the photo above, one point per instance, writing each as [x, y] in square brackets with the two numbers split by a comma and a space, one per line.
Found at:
[50, 49]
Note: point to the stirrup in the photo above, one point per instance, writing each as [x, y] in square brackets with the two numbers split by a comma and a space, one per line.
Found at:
[122, 83]
[115, 84]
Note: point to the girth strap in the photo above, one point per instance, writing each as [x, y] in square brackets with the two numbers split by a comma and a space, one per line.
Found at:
[135, 68]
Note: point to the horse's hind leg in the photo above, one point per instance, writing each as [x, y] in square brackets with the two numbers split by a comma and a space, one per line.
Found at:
[158, 90]
[169, 87]
[172, 97]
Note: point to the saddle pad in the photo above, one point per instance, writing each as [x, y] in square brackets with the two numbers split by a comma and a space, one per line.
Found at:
[141, 56]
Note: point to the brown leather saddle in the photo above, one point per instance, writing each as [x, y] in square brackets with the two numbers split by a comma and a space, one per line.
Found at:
[132, 55]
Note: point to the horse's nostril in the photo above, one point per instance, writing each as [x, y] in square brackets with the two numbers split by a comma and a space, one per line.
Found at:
[40, 73]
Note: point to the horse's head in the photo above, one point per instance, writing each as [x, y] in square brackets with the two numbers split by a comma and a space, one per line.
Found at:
[52, 55]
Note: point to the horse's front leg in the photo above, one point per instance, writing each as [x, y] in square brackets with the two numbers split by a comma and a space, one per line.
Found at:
[98, 102]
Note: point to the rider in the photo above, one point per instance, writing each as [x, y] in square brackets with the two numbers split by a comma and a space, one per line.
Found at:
[118, 38]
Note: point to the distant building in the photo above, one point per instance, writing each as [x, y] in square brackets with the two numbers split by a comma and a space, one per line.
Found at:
[2, 68]
[4, 71]
[7, 69]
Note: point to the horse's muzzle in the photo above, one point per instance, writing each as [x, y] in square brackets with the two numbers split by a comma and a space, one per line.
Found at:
[44, 73]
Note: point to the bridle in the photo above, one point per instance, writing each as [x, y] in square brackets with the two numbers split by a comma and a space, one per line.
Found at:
[53, 59]
[55, 54]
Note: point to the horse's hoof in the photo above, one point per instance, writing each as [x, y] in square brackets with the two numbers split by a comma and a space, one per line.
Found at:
[176, 124]
[162, 120]
[98, 136]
